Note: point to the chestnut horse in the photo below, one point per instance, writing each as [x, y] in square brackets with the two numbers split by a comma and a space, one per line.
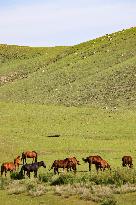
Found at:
[68, 163]
[17, 162]
[59, 164]
[92, 160]
[72, 163]
[29, 154]
[7, 166]
[102, 165]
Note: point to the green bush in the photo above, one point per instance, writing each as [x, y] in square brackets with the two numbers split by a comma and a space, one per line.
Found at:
[64, 179]
[16, 176]
[45, 177]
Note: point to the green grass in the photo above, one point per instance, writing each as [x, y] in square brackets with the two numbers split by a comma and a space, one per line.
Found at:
[85, 93]
[101, 71]
[83, 131]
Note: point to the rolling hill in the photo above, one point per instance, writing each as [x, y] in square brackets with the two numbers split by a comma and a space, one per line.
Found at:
[98, 72]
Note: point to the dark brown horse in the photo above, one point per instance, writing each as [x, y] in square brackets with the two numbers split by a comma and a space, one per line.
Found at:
[102, 165]
[29, 154]
[92, 160]
[127, 161]
[28, 168]
[8, 166]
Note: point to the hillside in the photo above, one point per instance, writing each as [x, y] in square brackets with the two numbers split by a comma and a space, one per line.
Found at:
[97, 72]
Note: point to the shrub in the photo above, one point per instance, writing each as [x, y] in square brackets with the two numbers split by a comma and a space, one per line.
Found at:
[63, 179]
[16, 176]
[45, 177]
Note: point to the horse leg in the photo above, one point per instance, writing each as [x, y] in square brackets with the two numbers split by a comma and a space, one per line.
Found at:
[28, 174]
[35, 173]
[89, 166]
[55, 170]
[5, 173]
[2, 170]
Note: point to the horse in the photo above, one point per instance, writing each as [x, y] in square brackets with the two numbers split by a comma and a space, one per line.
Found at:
[72, 162]
[17, 162]
[127, 161]
[8, 166]
[68, 163]
[102, 165]
[29, 154]
[28, 168]
[92, 160]
[59, 164]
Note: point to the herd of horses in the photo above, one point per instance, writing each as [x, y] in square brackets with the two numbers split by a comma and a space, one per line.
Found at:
[69, 164]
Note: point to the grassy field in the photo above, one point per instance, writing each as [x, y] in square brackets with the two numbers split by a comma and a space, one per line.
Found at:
[85, 93]
[101, 71]
[83, 131]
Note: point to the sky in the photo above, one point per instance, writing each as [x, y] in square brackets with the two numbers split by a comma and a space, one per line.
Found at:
[62, 22]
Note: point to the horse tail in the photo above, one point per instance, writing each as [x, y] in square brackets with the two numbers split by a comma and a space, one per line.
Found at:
[2, 169]
[51, 167]
[35, 156]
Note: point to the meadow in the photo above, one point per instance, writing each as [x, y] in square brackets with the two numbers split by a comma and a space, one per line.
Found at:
[84, 93]
[83, 131]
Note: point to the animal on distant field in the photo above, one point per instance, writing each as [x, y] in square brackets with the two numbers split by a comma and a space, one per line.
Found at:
[72, 163]
[17, 161]
[29, 154]
[68, 163]
[102, 165]
[127, 161]
[92, 160]
[7, 166]
[59, 164]
[28, 168]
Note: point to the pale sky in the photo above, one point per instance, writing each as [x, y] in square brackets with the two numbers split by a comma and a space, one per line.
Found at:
[62, 22]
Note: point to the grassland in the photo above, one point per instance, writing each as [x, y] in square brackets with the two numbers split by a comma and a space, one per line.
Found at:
[101, 71]
[86, 93]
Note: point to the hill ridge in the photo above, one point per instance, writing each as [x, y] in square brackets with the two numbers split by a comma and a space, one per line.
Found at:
[79, 75]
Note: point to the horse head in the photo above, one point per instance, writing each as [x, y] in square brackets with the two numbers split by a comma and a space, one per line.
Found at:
[41, 163]
[85, 160]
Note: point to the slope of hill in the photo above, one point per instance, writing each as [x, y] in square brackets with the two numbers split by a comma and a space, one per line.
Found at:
[101, 71]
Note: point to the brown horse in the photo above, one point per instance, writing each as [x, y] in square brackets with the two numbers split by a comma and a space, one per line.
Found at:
[72, 163]
[7, 166]
[92, 160]
[59, 164]
[102, 165]
[127, 161]
[17, 162]
[68, 163]
[29, 154]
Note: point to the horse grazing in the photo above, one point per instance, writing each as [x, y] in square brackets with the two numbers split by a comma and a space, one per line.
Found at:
[8, 166]
[28, 168]
[127, 161]
[29, 154]
[59, 164]
[102, 165]
[68, 163]
[92, 160]
[17, 162]
[72, 163]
